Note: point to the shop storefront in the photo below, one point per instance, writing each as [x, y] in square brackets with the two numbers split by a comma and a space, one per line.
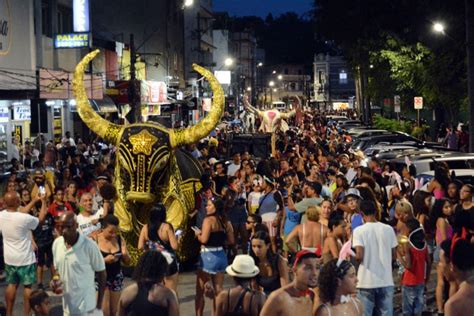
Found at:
[21, 120]
[57, 95]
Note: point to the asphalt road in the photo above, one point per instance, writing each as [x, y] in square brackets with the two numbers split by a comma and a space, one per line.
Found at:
[186, 292]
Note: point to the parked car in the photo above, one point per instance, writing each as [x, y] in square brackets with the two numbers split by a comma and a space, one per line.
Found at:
[362, 132]
[464, 175]
[363, 143]
[424, 163]
[377, 150]
[349, 124]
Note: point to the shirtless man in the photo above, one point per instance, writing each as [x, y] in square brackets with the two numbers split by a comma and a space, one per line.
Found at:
[297, 297]
[311, 234]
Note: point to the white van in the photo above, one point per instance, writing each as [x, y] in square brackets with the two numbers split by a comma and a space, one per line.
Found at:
[279, 105]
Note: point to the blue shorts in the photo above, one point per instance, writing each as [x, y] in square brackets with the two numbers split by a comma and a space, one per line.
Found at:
[213, 262]
[412, 299]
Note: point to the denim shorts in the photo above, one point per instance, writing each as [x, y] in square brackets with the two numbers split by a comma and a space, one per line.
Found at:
[213, 262]
[412, 299]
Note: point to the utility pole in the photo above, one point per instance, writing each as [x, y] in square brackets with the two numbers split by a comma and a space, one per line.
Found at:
[470, 68]
[135, 113]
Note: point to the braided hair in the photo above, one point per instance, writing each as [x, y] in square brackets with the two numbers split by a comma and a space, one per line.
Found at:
[328, 277]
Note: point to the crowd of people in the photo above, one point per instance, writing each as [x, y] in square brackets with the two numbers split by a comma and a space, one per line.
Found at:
[316, 229]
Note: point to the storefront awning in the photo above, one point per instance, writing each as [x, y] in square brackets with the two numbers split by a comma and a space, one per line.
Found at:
[95, 107]
[106, 105]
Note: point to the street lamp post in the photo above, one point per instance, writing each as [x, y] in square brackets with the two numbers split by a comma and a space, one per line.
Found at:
[257, 81]
[271, 84]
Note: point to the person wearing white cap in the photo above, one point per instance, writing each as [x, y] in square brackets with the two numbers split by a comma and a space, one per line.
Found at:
[241, 299]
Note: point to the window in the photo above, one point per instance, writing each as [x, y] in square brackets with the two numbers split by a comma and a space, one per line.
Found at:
[286, 71]
[321, 78]
[300, 72]
[175, 61]
[64, 20]
[343, 77]
[46, 21]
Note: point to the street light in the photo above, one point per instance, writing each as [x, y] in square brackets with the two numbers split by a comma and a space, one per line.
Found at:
[228, 62]
[271, 83]
[249, 88]
[260, 64]
[274, 72]
[438, 27]
[280, 77]
[188, 3]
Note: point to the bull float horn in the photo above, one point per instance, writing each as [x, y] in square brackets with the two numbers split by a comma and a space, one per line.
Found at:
[202, 129]
[108, 131]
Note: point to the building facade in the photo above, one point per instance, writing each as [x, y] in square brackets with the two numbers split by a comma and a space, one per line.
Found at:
[35, 77]
[244, 50]
[198, 41]
[334, 86]
[282, 82]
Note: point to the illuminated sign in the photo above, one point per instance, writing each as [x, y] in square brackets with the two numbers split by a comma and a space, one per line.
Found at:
[223, 76]
[22, 113]
[4, 114]
[72, 40]
[5, 28]
[81, 15]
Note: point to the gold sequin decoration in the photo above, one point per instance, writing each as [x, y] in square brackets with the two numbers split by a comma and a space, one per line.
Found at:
[204, 127]
[109, 131]
[143, 142]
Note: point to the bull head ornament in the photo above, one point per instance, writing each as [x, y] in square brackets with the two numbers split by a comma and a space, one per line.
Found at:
[149, 166]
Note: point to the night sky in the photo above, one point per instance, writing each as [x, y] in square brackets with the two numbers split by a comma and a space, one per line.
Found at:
[261, 7]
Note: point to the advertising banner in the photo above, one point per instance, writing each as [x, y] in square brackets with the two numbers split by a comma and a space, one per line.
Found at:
[153, 92]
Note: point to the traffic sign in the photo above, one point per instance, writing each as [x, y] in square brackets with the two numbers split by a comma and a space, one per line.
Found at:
[396, 101]
[418, 103]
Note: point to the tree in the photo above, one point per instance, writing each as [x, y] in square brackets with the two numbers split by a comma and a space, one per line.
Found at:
[396, 38]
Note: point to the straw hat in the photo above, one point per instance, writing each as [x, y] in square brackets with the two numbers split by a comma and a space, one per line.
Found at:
[243, 266]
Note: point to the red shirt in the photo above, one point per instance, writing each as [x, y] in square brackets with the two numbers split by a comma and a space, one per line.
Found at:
[56, 210]
[416, 275]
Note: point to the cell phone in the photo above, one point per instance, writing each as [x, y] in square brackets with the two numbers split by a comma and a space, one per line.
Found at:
[118, 255]
[178, 233]
[42, 190]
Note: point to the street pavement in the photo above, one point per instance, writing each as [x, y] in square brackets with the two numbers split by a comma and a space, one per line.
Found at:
[187, 291]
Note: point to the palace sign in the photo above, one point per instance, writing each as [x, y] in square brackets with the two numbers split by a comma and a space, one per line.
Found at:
[72, 40]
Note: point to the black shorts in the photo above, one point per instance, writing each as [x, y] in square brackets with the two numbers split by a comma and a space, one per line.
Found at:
[172, 268]
[44, 255]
